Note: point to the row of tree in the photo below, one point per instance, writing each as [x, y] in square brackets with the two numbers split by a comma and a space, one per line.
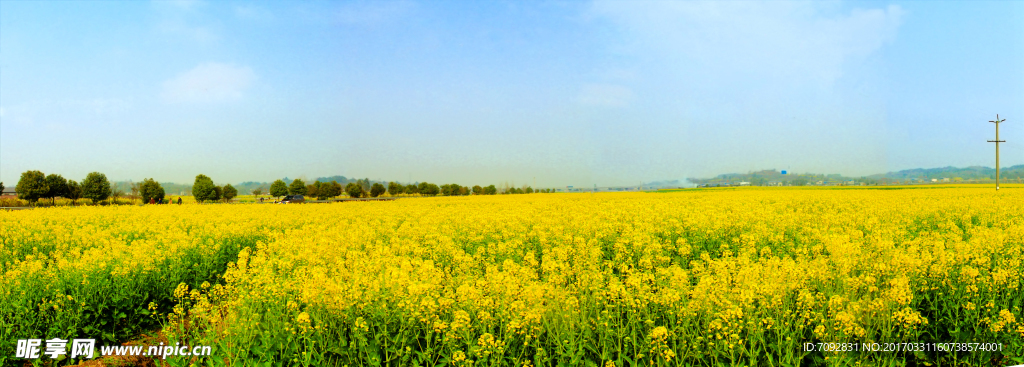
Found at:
[363, 188]
[35, 185]
[203, 190]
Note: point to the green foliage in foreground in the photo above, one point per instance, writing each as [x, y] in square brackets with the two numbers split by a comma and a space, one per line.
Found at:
[102, 293]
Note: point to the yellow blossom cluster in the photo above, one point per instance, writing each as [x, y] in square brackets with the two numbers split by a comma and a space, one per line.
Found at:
[741, 276]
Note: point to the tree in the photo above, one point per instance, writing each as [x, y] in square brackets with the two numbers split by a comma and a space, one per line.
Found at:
[150, 189]
[135, 190]
[377, 189]
[312, 191]
[529, 190]
[354, 190]
[331, 189]
[490, 190]
[297, 187]
[74, 191]
[58, 186]
[412, 189]
[95, 187]
[278, 188]
[450, 189]
[395, 188]
[323, 190]
[463, 190]
[218, 192]
[258, 191]
[1, 186]
[115, 194]
[32, 186]
[365, 184]
[203, 189]
[229, 192]
[430, 189]
[454, 189]
[335, 188]
[800, 181]
[477, 190]
[321, 186]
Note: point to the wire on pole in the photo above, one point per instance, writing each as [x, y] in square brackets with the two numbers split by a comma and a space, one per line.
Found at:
[997, 141]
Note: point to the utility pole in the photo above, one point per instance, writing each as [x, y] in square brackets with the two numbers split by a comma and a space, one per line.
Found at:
[997, 141]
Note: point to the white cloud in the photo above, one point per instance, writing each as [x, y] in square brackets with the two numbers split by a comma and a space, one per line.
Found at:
[605, 95]
[798, 41]
[182, 18]
[207, 83]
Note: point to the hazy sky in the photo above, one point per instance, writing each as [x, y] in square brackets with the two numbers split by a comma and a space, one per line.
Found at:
[566, 93]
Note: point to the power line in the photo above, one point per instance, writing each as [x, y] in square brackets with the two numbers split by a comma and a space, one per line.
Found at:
[997, 141]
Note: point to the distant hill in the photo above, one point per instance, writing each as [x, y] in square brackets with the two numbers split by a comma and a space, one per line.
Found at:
[770, 177]
[774, 177]
[967, 173]
[664, 184]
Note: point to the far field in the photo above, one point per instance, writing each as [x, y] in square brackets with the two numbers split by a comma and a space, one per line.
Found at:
[706, 277]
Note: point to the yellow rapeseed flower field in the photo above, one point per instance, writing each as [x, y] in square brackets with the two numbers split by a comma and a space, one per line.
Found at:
[738, 277]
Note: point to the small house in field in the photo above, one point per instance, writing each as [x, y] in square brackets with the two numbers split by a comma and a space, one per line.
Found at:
[9, 192]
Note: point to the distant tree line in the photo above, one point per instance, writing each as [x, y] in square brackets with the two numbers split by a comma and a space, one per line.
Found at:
[204, 190]
[34, 185]
[363, 188]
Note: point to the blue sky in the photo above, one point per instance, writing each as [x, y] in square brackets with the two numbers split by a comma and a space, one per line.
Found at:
[563, 93]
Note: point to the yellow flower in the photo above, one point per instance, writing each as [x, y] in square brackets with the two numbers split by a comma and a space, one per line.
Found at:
[745, 264]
